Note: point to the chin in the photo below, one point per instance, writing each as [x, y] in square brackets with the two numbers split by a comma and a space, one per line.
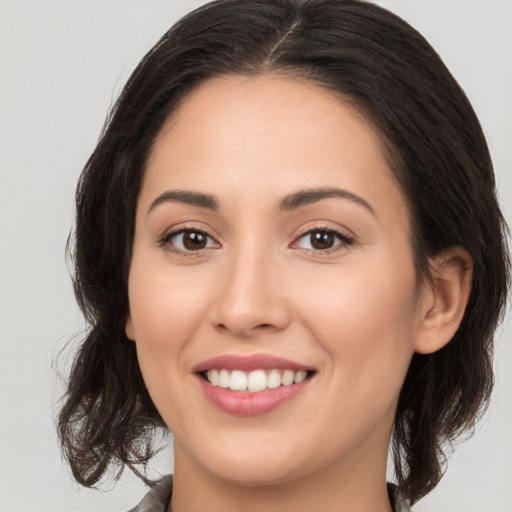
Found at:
[257, 473]
[256, 463]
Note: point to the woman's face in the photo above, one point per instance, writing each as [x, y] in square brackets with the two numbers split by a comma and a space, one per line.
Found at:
[271, 244]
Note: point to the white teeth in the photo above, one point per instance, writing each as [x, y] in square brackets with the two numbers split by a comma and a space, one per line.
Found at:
[287, 377]
[224, 378]
[274, 379]
[213, 377]
[238, 381]
[300, 376]
[257, 380]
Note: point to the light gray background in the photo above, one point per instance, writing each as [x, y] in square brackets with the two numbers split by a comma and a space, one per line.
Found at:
[61, 65]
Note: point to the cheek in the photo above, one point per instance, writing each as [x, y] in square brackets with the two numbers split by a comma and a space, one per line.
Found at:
[365, 318]
[165, 310]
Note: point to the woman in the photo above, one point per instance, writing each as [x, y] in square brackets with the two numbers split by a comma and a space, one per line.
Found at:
[289, 249]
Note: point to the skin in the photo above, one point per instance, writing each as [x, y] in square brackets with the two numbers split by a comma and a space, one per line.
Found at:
[355, 313]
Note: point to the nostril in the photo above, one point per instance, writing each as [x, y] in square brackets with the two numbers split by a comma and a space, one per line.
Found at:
[258, 326]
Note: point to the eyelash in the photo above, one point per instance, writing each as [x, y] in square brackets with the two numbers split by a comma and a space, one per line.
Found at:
[344, 239]
[165, 241]
[166, 238]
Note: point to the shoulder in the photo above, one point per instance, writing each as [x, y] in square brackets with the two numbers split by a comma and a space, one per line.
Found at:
[158, 498]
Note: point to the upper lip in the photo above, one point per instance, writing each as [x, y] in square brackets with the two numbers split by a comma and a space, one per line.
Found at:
[249, 363]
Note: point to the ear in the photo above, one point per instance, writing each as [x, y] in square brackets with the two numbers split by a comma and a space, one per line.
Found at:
[128, 328]
[444, 299]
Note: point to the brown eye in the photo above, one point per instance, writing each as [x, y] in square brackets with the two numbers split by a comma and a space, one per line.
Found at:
[322, 239]
[187, 240]
[194, 240]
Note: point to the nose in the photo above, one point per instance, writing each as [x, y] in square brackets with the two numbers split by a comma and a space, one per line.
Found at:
[251, 298]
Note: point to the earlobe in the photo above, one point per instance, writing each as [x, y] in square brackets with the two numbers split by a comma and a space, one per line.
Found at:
[446, 295]
[128, 328]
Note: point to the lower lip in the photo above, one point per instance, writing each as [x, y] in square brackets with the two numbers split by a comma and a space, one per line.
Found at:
[251, 404]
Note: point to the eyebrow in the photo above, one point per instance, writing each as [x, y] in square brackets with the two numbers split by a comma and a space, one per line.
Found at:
[308, 196]
[188, 197]
[289, 203]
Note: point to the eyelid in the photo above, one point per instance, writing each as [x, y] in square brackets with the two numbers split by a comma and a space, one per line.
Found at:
[164, 239]
[345, 237]
[322, 225]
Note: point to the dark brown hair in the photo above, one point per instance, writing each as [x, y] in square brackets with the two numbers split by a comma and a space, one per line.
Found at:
[434, 145]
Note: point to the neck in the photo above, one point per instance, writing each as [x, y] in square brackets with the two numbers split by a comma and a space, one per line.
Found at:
[359, 486]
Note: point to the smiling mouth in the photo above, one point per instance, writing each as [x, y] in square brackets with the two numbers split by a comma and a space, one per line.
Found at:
[256, 380]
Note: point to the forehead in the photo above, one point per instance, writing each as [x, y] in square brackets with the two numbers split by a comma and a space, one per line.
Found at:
[239, 110]
[268, 134]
